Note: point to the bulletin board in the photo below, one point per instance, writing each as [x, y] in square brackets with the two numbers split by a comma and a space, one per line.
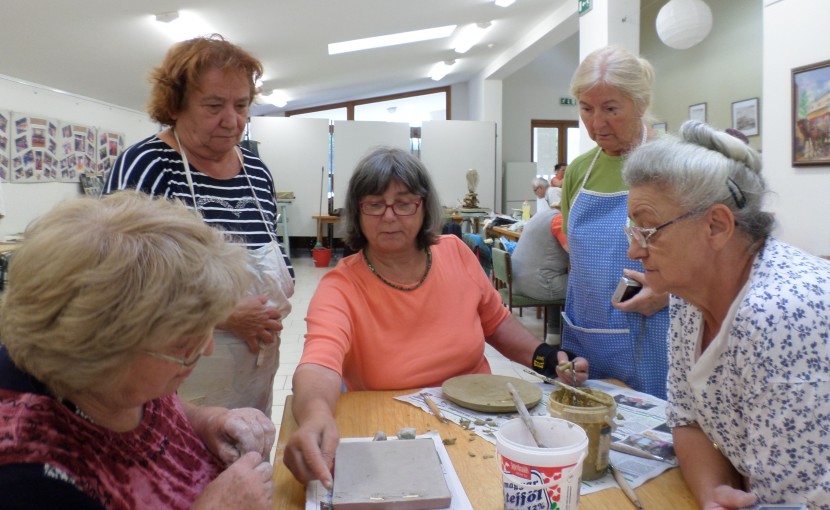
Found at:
[34, 154]
[77, 151]
[5, 127]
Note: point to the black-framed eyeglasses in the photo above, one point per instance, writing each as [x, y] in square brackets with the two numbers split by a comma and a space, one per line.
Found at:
[399, 208]
[188, 362]
[641, 235]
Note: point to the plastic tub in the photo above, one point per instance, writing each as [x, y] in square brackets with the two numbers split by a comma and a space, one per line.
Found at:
[596, 419]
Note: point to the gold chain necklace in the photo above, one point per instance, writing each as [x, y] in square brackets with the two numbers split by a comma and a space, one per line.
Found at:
[401, 287]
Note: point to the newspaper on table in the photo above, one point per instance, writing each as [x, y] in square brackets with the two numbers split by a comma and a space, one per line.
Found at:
[317, 497]
[641, 423]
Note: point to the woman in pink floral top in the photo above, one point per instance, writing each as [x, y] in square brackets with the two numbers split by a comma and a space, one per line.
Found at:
[110, 304]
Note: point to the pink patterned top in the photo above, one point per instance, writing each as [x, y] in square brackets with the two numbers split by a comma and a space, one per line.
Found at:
[160, 464]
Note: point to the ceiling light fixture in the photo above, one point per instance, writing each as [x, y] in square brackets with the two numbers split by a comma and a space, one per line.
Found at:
[382, 41]
[274, 97]
[470, 36]
[683, 23]
[504, 3]
[441, 69]
[182, 25]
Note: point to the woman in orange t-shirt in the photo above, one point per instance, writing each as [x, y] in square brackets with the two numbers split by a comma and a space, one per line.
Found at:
[409, 310]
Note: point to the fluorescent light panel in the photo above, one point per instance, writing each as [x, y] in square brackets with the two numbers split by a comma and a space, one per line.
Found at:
[391, 40]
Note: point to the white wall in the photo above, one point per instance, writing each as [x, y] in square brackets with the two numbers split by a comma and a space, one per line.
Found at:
[24, 202]
[795, 34]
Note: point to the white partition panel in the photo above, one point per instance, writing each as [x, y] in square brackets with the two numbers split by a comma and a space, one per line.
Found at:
[353, 139]
[449, 148]
[297, 152]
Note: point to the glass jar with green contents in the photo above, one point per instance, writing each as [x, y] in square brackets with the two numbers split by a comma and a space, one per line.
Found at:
[595, 417]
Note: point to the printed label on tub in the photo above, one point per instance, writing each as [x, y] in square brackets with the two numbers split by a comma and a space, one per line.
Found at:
[520, 492]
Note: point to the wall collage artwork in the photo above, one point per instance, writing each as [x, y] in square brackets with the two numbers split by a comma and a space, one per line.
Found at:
[35, 149]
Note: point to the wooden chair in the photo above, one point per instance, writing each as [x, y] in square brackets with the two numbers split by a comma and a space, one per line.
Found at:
[503, 279]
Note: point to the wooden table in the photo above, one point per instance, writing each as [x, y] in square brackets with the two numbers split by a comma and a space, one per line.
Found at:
[362, 413]
[502, 231]
[326, 220]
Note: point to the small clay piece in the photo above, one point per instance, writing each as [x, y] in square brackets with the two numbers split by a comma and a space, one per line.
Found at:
[487, 456]
[379, 436]
[471, 454]
[406, 433]
[448, 441]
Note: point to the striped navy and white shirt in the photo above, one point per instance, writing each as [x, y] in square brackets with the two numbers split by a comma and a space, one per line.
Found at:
[157, 169]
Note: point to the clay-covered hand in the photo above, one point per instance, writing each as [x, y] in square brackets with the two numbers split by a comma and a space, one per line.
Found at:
[309, 454]
[245, 484]
[646, 302]
[254, 321]
[566, 369]
[232, 433]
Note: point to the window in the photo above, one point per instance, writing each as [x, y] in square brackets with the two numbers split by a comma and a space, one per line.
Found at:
[552, 142]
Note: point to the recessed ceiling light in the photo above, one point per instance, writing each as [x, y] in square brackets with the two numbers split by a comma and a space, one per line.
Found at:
[274, 97]
[391, 40]
[182, 25]
[441, 69]
[470, 36]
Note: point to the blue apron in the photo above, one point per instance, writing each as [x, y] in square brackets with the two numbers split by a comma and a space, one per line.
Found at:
[626, 346]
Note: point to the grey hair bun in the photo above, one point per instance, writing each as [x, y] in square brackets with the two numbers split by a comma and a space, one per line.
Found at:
[702, 134]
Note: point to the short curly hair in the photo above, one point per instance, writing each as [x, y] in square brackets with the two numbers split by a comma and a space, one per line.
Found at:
[184, 65]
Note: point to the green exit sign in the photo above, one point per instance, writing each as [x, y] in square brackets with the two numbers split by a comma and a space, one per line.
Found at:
[584, 6]
[567, 100]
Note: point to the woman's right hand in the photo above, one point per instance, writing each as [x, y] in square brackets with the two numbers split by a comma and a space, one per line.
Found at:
[254, 321]
[309, 454]
[245, 485]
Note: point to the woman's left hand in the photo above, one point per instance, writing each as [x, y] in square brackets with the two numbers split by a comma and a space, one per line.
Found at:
[646, 302]
[231, 433]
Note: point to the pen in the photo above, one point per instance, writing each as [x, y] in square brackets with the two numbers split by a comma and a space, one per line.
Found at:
[435, 410]
[627, 490]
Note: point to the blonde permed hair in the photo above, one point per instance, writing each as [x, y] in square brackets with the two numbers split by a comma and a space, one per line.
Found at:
[95, 281]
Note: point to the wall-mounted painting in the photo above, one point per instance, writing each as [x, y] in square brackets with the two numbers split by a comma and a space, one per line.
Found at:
[745, 116]
[698, 112]
[811, 114]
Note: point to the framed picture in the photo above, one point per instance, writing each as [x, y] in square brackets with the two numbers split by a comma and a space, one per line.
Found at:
[698, 112]
[811, 120]
[660, 127]
[745, 116]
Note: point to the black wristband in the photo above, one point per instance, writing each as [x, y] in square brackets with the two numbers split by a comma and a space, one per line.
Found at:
[544, 360]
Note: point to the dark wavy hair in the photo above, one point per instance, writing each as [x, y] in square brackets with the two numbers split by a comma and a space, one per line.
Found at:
[372, 176]
[184, 65]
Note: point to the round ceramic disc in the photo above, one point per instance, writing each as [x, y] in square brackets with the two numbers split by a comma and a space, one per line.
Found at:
[488, 393]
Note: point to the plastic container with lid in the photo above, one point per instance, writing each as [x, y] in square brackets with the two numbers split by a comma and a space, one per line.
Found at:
[596, 420]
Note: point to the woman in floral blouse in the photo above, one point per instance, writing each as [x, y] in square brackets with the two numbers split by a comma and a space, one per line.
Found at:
[749, 336]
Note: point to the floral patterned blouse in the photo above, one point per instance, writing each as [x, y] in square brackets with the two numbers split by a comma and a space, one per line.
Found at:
[761, 390]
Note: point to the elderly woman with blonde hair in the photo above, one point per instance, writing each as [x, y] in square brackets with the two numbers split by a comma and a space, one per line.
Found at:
[749, 352]
[110, 305]
[621, 340]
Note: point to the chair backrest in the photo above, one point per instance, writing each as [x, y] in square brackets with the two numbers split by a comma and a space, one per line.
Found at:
[501, 267]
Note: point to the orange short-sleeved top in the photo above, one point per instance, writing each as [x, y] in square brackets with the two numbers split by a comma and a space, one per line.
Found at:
[381, 338]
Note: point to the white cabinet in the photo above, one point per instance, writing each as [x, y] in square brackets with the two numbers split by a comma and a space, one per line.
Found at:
[518, 186]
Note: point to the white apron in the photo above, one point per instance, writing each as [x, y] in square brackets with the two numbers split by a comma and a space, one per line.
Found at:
[233, 376]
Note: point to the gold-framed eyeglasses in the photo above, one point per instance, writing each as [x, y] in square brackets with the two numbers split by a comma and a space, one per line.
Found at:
[401, 208]
[187, 362]
[641, 235]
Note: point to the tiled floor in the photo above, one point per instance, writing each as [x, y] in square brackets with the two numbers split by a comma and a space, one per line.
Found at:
[307, 277]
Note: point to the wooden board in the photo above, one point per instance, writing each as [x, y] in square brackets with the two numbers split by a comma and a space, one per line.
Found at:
[488, 393]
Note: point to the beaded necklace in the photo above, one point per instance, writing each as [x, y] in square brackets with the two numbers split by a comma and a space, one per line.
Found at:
[401, 287]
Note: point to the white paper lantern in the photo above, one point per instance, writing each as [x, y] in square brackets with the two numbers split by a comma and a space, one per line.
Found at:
[683, 23]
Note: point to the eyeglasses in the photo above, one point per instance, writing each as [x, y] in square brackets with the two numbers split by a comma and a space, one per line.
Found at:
[641, 235]
[399, 208]
[185, 362]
